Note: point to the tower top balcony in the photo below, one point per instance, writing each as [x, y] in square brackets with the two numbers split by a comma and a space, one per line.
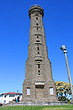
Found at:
[36, 9]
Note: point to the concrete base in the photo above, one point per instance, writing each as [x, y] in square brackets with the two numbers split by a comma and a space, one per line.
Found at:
[38, 104]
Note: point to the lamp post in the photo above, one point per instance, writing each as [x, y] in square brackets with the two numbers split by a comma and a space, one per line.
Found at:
[63, 48]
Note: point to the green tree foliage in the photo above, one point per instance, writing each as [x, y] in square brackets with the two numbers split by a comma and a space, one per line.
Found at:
[63, 91]
[62, 87]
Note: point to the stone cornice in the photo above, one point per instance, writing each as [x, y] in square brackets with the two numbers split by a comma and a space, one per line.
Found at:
[36, 10]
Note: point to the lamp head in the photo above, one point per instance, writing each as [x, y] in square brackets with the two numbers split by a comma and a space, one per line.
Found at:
[63, 48]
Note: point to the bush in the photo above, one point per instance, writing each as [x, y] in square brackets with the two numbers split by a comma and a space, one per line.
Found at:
[0, 104]
[62, 98]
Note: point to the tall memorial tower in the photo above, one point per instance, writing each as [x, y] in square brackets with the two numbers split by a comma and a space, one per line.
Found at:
[38, 85]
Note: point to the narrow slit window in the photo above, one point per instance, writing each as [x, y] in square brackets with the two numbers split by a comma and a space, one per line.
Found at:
[38, 52]
[37, 28]
[38, 65]
[38, 72]
[36, 18]
[37, 48]
[37, 36]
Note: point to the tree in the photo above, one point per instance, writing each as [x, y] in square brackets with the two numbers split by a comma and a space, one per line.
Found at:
[62, 90]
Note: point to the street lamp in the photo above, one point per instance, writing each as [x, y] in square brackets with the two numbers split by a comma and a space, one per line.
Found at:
[63, 48]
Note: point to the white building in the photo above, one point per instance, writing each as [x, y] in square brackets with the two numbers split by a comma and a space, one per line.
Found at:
[10, 96]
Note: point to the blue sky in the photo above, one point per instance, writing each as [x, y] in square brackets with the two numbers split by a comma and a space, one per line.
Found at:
[14, 39]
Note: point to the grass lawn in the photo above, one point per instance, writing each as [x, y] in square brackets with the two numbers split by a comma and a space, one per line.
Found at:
[58, 107]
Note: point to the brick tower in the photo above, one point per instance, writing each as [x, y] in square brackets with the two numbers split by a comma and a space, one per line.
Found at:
[38, 85]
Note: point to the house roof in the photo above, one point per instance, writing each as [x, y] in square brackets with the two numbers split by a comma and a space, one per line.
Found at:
[13, 93]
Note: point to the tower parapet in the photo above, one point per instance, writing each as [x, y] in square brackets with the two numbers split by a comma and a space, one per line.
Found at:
[36, 9]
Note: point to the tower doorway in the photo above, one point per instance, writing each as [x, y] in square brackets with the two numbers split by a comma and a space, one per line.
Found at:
[39, 91]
